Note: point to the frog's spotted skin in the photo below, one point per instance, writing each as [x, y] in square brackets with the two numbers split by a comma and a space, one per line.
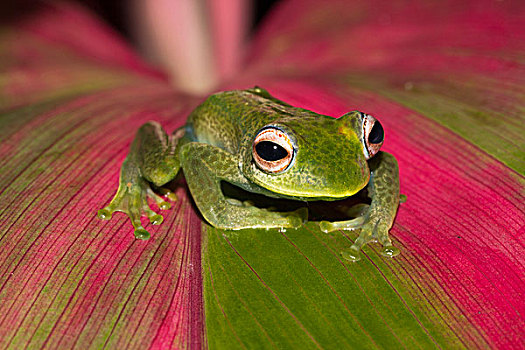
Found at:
[326, 160]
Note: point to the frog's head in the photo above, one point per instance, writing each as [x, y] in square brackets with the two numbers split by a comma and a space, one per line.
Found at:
[314, 156]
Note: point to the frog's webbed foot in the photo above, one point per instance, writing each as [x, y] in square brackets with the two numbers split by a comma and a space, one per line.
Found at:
[235, 214]
[132, 199]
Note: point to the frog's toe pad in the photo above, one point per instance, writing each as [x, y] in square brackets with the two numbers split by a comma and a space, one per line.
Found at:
[164, 205]
[170, 195]
[161, 203]
[352, 224]
[104, 214]
[141, 233]
[326, 226]
[352, 254]
[390, 251]
[156, 219]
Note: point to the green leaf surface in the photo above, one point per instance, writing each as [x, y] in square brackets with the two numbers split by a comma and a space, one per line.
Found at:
[292, 290]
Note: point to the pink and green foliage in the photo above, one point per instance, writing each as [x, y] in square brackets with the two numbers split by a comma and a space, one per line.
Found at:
[445, 78]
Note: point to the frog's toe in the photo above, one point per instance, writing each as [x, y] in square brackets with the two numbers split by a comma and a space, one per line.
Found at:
[381, 235]
[234, 201]
[164, 205]
[365, 236]
[141, 233]
[161, 203]
[156, 219]
[352, 254]
[135, 214]
[168, 194]
[105, 213]
[326, 226]
[389, 251]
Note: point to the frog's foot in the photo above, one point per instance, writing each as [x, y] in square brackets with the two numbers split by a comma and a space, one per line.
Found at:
[236, 215]
[293, 219]
[372, 231]
[132, 199]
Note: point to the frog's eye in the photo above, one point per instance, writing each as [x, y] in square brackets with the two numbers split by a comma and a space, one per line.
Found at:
[273, 150]
[373, 135]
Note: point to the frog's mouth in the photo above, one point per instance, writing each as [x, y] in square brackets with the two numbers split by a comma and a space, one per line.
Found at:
[331, 209]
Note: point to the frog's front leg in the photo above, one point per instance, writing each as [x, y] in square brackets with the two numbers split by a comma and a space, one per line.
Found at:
[205, 166]
[383, 188]
[375, 223]
[152, 159]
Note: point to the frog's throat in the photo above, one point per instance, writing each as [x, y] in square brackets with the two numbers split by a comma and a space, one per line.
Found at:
[306, 195]
[330, 192]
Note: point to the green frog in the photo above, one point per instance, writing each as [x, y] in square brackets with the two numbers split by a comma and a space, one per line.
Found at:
[262, 145]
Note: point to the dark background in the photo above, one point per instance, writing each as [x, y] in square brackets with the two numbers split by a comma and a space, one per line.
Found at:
[112, 11]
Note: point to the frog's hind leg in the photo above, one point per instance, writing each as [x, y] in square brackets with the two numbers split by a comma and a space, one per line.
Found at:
[152, 159]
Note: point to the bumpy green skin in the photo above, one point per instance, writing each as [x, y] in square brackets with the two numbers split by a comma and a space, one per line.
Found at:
[215, 145]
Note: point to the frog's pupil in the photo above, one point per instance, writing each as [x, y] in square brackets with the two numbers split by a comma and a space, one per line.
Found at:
[376, 134]
[270, 151]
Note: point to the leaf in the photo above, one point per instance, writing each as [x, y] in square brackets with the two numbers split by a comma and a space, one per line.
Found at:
[446, 81]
